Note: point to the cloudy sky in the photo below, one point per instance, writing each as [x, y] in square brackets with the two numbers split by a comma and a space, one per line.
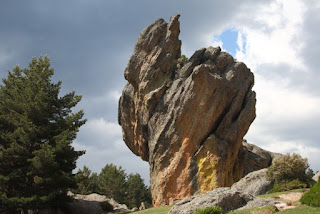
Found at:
[90, 42]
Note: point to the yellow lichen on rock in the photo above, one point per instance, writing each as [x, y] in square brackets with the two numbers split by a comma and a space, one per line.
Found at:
[207, 172]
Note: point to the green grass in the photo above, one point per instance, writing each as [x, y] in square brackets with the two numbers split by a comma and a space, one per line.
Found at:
[276, 194]
[303, 209]
[260, 210]
[155, 210]
[265, 210]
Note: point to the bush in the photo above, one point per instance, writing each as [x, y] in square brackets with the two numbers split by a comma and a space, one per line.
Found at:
[288, 167]
[286, 185]
[312, 198]
[106, 206]
[209, 210]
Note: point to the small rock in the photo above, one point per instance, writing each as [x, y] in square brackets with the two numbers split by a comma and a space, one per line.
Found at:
[134, 209]
[316, 177]
[142, 206]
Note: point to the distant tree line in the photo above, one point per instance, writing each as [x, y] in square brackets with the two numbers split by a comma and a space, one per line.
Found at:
[114, 182]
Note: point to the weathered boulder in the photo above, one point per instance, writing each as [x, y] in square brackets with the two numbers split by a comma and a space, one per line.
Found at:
[316, 177]
[187, 121]
[83, 204]
[254, 183]
[225, 197]
[142, 206]
[254, 157]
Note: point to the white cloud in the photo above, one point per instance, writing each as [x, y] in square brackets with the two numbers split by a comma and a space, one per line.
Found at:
[312, 153]
[270, 42]
[103, 143]
[277, 101]
[114, 95]
[101, 129]
[272, 39]
[216, 42]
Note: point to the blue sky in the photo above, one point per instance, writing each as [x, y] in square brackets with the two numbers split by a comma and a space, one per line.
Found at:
[90, 42]
[229, 41]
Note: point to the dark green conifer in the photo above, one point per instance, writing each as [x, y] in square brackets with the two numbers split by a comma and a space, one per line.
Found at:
[87, 181]
[112, 182]
[137, 191]
[37, 128]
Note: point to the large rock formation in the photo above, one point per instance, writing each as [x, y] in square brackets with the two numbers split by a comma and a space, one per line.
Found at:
[187, 120]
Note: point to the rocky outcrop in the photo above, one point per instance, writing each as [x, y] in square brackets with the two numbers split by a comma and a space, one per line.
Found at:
[187, 119]
[255, 158]
[83, 204]
[316, 177]
[226, 198]
[254, 183]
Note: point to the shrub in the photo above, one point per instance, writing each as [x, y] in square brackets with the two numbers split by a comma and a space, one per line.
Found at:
[286, 185]
[313, 196]
[288, 167]
[106, 206]
[209, 210]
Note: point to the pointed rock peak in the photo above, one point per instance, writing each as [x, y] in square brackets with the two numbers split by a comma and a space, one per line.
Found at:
[187, 121]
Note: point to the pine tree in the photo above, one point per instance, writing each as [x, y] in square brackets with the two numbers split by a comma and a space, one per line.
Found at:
[37, 128]
[137, 191]
[112, 182]
[87, 182]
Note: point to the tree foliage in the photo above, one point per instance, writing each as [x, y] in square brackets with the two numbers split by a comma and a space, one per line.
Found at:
[37, 128]
[137, 191]
[288, 167]
[312, 198]
[290, 172]
[87, 181]
[112, 182]
[209, 210]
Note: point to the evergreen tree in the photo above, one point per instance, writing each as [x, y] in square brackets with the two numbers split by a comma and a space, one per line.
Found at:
[87, 181]
[112, 182]
[137, 191]
[37, 128]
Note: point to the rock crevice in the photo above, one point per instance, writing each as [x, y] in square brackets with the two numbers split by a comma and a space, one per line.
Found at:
[187, 121]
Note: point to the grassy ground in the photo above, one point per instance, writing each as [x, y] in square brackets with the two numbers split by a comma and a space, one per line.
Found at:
[303, 209]
[300, 209]
[276, 194]
[263, 210]
[269, 210]
[155, 210]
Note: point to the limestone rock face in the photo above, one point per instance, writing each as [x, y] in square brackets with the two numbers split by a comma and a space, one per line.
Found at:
[186, 120]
